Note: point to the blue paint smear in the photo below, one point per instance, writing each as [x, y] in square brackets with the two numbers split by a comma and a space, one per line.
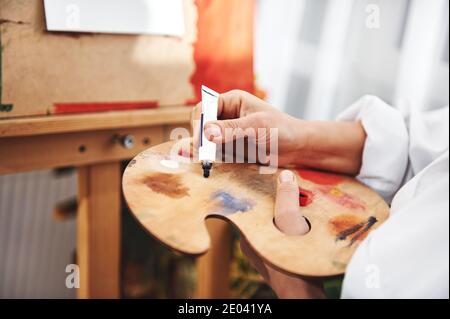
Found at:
[231, 204]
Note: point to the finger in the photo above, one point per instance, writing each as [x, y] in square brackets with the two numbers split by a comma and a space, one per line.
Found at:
[229, 107]
[195, 124]
[225, 131]
[288, 217]
[256, 261]
[195, 113]
[230, 104]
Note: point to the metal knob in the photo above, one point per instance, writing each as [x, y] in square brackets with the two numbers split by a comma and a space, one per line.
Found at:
[127, 141]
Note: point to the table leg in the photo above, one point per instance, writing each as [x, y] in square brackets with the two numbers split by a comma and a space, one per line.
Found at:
[98, 230]
[213, 268]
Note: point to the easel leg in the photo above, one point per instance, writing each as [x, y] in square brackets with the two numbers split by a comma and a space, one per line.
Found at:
[213, 268]
[98, 230]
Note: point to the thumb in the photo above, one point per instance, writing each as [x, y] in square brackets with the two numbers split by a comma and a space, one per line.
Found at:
[288, 217]
[225, 131]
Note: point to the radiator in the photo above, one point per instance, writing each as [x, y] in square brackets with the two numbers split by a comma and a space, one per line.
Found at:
[34, 247]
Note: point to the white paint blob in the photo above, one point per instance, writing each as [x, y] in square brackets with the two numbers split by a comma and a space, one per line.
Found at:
[169, 163]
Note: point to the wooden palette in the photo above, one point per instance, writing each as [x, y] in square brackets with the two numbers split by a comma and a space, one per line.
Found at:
[171, 199]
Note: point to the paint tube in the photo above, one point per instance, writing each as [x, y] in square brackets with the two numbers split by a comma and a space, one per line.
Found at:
[207, 149]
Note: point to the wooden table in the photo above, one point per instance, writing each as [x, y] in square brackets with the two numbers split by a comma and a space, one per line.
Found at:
[90, 142]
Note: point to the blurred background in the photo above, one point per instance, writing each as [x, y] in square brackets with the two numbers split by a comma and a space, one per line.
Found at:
[316, 57]
[313, 58]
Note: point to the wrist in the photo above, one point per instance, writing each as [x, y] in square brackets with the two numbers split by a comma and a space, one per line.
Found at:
[294, 135]
[330, 145]
[301, 141]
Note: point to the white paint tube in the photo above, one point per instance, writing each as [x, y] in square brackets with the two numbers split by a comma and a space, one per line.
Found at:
[207, 149]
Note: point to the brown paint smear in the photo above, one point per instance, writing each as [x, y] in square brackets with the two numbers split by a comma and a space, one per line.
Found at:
[249, 177]
[166, 184]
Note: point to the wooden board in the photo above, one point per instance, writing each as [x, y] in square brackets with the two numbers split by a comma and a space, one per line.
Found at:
[83, 139]
[45, 72]
[41, 125]
[28, 153]
[171, 199]
[44, 69]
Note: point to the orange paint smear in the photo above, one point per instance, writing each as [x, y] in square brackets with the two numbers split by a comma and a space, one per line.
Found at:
[223, 52]
[360, 236]
[350, 227]
[320, 178]
[88, 107]
[343, 222]
[347, 223]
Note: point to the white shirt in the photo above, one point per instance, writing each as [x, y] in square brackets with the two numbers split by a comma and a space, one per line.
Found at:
[406, 160]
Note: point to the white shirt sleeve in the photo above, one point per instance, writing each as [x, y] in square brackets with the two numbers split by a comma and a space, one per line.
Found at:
[406, 159]
[398, 146]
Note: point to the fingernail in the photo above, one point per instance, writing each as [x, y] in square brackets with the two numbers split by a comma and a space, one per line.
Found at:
[286, 176]
[212, 132]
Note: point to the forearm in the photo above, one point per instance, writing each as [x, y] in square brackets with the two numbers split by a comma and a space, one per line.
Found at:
[333, 146]
[291, 287]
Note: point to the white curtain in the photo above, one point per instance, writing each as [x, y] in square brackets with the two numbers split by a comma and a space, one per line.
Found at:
[315, 57]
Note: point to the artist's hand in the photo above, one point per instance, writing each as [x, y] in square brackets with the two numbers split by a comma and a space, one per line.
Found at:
[241, 113]
[289, 220]
[327, 145]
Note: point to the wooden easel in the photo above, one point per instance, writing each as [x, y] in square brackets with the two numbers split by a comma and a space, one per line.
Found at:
[43, 77]
[47, 142]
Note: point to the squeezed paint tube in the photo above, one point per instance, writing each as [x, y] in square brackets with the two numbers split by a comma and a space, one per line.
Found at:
[207, 149]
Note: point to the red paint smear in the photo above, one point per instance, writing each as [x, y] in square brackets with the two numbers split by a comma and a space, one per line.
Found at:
[305, 197]
[344, 199]
[223, 52]
[320, 178]
[186, 150]
[87, 107]
[185, 153]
